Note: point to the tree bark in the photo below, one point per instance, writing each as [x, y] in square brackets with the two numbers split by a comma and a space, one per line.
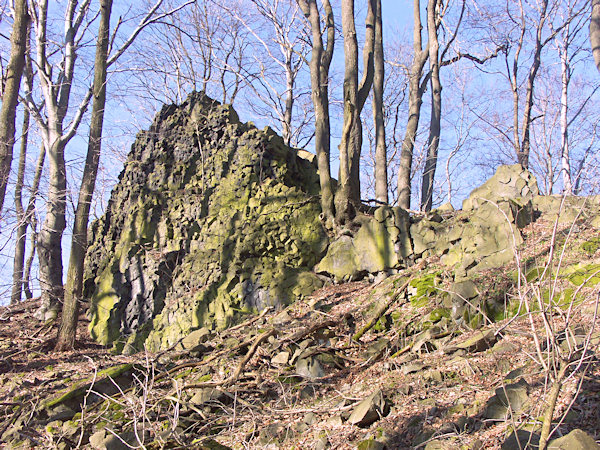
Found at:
[595, 32]
[8, 111]
[73, 295]
[433, 142]
[319, 78]
[364, 88]
[381, 179]
[415, 99]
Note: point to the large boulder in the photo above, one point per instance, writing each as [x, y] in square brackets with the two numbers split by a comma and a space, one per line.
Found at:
[508, 183]
[382, 242]
[211, 219]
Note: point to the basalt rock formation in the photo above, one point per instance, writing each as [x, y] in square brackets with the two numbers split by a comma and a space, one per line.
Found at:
[211, 219]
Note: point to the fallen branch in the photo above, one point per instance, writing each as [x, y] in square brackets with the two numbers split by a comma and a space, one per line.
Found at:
[238, 371]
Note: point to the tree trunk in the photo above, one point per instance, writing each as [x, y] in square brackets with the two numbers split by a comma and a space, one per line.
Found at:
[564, 120]
[415, 99]
[50, 237]
[433, 141]
[355, 96]
[70, 310]
[364, 88]
[33, 223]
[595, 31]
[8, 111]
[350, 111]
[319, 78]
[381, 180]
[523, 153]
[22, 223]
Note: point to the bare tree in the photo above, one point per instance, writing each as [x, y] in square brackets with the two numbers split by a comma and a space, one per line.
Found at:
[56, 74]
[433, 142]
[203, 47]
[355, 96]
[10, 92]
[319, 79]
[415, 99]
[70, 310]
[381, 167]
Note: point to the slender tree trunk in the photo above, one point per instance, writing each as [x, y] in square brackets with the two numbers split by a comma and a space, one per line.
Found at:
[33, 223]
[436, 109]
[364, 87]
[319, 78]
[19, 259]
[415, 99]
[22, 215]
[564, 120]
[8, 111]
[595, 32]
[381, 179]
[351, 124]
[70, 310]
[21, 270]
[289, 103]
[355, 96]
[523, 153]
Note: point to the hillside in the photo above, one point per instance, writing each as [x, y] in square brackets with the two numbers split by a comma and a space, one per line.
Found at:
[296, 378]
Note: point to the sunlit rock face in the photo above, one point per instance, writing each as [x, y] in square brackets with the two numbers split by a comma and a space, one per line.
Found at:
[211, 220]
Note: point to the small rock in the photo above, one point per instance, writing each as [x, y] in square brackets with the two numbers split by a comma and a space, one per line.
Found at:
[101, 440]
[435, 375]
[482, 340]
[510, 397]
[438, 444]
[193, 341]
[370, 444]
[60, 412]
[522, 439]
[412, 368]
[281, 318]
[281, 359]
[205, 395]
[369, 410]
[309, 368]
[575, 440]
[322, 443]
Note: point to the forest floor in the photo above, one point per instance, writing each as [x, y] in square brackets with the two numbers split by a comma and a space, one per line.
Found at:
[244, 387]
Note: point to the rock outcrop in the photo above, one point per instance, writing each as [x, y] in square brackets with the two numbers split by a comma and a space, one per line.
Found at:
[211, 219]
[483, 235]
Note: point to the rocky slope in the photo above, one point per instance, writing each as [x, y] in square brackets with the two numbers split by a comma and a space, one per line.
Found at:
[237, 321]
[302, 377]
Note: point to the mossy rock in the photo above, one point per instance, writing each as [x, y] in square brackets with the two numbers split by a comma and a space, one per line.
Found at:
[211, 220]
[588, 275]
[73, 395]
[422, 289]
[591, 247]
